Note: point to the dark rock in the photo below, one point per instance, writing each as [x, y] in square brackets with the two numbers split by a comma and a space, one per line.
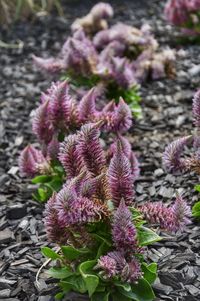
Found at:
[16, 211]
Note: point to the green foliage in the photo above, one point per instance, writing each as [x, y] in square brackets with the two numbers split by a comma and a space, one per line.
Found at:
[47, 184]
[196, 210]
[76, 268]
[196, 207]
[147, 236]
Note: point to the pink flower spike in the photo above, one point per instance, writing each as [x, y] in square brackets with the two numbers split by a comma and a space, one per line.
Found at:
[29, 161]
[102, 11]
[41, 123]
[196, 109]
[182, 213]
[90, 149]
[171, 156]
[51, 65]
[86, 106]
[120, 178]
[123, 231]
[123, 117]
[69, 156]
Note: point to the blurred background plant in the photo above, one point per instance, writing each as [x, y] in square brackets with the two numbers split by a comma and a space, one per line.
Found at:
[13, 10]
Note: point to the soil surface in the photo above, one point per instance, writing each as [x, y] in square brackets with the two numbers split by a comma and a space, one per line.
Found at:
[166, 115]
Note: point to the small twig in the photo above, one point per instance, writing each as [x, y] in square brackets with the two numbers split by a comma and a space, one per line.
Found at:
[20, 45]
[42, 266]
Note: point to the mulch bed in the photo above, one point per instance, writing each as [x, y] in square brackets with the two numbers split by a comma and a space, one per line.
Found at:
[167, 115]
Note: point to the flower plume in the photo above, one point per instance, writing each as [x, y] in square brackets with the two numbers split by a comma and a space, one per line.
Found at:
[120, 178]
[172, 154]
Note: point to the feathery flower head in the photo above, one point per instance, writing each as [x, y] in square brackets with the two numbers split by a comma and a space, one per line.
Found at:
[196, 109]
[53, 148]
[41, 123]
[172, 154]
[115, 264]
[61, 107]
[102, 11]
[181, 212]
[123, 231]
[51, 65]
[69, 156]
[120, 178]
[126, 148]
[86, 106]
[108, 265]
[55, 230]
[176, 12]
[170, 219]
[81, 56]
[74, 209]
[90, 149]
[32, 161]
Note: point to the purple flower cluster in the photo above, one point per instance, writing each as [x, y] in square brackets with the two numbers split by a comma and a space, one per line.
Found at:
[172, 218]
[60, 114]
[100, 188]
[184, 13]
[115, 264]
[173, 158]
[121, 54]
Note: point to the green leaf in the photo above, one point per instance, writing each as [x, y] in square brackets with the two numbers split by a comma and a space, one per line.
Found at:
[123, 285]
[196, 210]
[71, 253]
[91, 280]
[120, 297]
[74, 283]
[149, 272]
[141, 291]
[147, 236]
[103, 248]
[197, 188]
[41, 179]
[60, 273]
[59, 296]
[100, 296]
[50, 253]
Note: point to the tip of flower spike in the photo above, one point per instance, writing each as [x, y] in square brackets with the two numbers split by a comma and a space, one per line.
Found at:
[196, 109]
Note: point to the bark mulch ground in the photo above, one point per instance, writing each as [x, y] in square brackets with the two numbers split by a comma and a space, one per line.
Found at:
[167, 115]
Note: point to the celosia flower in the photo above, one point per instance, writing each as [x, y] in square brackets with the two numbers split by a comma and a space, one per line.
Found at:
[53, 148]
[69, 156]
[32, 162]
[114, 264]
[51, 65]
[87, 105]
[126, 148]
[131, 271]
[120, 178]
[81, 56]
[95, 20]
[181, 212]
[62, 108]
[176, 12]
[171, 156]
[108, 265]
[90, 150]
[196, 109]
[41, 124]
[75, 209]
[168, 218]
[102, 11]
[55, 230]
[123, 230]
[123, 118]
